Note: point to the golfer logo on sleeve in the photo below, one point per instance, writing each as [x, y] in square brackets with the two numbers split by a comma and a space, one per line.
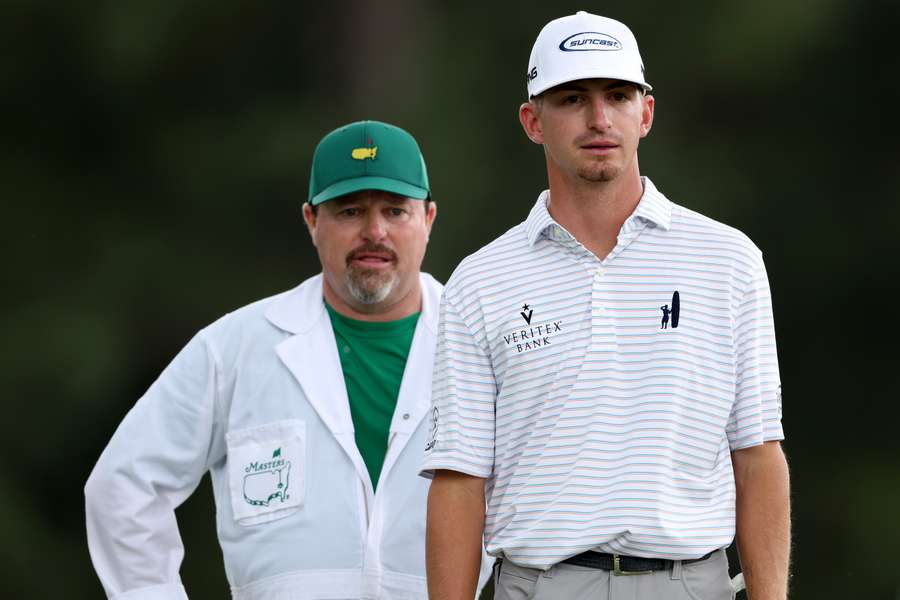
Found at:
[432, 434]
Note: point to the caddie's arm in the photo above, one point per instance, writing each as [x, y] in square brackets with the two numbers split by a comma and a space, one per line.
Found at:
[153, 462]
[454, 535]
[763, 519]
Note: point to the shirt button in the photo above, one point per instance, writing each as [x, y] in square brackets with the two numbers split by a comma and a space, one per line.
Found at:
[405, 416]
[346, 349]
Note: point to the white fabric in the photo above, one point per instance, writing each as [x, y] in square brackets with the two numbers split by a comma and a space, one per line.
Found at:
[258, 400]
[595, 427]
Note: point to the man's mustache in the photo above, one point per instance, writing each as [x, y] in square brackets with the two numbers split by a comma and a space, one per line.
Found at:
[379, 249]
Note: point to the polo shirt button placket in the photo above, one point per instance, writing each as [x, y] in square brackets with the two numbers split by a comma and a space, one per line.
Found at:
[596, 305]
[602, 338]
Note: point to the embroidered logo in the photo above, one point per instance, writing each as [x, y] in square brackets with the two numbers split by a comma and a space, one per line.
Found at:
[527, 316]
[267, 481]
[674, 311]
[364, 153]
[589, 40]
[533, 336]
[432, 434]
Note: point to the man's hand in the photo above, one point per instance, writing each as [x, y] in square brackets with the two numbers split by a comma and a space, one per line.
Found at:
[454, 535]
[763, 519]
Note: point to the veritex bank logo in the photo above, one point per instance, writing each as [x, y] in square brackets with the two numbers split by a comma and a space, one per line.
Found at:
[588, 41]
[532, 335]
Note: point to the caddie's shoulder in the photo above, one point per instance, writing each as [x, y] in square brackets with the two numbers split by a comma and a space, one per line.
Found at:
[254, 329]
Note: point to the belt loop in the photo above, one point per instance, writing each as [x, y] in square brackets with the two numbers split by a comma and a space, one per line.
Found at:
[676, 569]
[548, 574]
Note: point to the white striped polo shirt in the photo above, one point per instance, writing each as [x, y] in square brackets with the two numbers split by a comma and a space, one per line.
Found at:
[601, 399]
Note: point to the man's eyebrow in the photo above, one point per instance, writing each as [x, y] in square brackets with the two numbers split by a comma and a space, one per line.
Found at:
[571, 87]
[388, 197]
[576, 87]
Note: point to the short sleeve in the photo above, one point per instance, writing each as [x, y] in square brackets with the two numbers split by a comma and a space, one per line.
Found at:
[463, 399]
[756, 414]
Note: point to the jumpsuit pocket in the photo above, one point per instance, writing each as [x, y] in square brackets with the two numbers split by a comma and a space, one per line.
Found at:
[266, 467]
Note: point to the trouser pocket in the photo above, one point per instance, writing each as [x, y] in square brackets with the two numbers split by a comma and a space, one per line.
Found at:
[512, 582]
[708, 579]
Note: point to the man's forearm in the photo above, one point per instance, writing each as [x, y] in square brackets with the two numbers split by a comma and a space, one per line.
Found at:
[763, 520]
[454, 534]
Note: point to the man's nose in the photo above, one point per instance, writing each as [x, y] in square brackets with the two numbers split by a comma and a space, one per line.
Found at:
[599, 120]
[375, 227]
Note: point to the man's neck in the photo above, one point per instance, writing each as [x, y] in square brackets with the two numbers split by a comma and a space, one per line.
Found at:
[593, 212]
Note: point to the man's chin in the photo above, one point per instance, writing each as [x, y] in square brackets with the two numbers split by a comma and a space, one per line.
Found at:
[370, 287]
[599, 173]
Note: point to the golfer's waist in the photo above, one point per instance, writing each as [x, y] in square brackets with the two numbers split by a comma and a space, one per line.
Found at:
[626, 564]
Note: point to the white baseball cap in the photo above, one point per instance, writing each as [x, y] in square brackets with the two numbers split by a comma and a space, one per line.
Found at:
[584, 46]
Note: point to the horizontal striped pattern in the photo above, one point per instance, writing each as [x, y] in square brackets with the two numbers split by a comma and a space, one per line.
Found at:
[594, 427]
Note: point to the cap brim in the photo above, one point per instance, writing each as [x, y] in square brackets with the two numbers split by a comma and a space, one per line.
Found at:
[588, 75]
[349, 186]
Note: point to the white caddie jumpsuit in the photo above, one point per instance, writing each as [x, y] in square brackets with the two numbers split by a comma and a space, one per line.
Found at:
[258, 399]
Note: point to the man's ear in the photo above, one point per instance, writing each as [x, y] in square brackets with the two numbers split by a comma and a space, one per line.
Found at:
[528, 117]
[310, 218]
[430, 215]
[647, 114]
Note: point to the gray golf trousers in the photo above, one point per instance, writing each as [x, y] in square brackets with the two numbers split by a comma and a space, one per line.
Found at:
[704, 580]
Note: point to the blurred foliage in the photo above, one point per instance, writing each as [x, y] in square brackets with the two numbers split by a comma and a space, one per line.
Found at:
[155, 154]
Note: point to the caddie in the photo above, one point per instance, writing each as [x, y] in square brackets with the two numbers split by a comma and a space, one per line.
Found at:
[307, 408]
[606, 374]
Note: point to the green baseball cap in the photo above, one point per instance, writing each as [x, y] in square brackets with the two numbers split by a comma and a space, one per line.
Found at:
[367, 155]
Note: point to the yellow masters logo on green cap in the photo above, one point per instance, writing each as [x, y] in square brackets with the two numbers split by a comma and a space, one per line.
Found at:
[364, 153]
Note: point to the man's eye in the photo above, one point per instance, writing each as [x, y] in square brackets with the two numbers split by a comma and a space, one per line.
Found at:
[571, 99]
[620, 96]
[350, 212]
[396, 212]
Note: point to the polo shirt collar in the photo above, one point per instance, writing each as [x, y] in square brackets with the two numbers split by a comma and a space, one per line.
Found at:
[539, 219]
[653, 207]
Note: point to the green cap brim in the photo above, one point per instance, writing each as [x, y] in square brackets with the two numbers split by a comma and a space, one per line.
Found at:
[349, 186]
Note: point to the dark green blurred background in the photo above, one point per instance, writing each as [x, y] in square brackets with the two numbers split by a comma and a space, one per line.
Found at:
[154, 155]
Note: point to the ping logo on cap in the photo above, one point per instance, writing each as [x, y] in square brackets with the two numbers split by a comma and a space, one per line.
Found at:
[364, 153]
[589, 40]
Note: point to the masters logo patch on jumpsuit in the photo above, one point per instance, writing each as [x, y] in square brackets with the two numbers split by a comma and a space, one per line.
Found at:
[265, 470]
